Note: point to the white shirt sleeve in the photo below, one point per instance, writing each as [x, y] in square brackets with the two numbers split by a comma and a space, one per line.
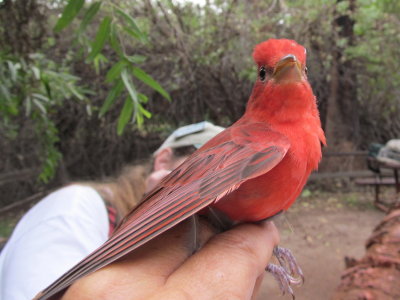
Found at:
[51, 238]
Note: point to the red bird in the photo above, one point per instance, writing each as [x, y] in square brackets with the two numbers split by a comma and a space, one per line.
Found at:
[251, 171]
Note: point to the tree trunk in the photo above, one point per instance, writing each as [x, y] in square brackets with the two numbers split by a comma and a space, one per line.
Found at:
[341, 123]
[377, 274]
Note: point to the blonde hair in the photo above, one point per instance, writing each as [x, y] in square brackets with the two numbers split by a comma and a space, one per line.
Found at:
[125, 191]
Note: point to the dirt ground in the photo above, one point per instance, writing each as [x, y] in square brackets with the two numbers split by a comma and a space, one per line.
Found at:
[321, 230]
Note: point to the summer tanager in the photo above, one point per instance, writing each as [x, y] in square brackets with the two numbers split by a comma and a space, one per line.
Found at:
[251, 171]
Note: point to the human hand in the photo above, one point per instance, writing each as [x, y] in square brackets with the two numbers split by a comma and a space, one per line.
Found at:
[229, 265]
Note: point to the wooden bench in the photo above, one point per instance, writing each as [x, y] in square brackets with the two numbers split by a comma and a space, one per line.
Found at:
[377, 174]
[377, 182]
[381, 180]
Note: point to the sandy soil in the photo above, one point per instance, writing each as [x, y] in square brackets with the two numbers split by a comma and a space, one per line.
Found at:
[321, 230]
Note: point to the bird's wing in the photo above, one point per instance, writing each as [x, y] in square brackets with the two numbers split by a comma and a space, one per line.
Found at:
[239, 153]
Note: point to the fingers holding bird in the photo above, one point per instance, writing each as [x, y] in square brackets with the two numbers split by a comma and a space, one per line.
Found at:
[229, 263]
[138, 274]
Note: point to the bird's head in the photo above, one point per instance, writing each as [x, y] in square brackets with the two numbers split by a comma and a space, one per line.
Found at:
[282, 89]
[280, 61]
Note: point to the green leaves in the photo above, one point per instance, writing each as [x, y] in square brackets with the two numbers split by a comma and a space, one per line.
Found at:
[112, 96]
[36, 88]
[119, 30]
[147, 79]
[133, 110]
[115, 71]
[130, 102]
[89, 15]
[129, 86]
[132, 28]
[135, 59]
[125, 115]
[101, 37]
[70, 12]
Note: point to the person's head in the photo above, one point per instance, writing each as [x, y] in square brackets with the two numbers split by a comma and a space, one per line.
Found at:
[182, 143]
[127, 189]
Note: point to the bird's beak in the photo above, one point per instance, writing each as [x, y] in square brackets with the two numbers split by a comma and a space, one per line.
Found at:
[288, 69]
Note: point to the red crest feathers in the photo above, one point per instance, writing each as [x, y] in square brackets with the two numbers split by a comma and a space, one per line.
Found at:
[271, 51]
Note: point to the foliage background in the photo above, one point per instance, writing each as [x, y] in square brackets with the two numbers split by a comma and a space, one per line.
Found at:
[54, 81]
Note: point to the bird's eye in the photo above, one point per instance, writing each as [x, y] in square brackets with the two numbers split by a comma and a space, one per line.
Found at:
[305, 70]
[262, 73]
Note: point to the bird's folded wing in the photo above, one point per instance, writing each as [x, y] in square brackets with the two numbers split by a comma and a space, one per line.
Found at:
[237, 154]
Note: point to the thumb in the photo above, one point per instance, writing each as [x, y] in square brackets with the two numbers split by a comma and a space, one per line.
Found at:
[229, 264]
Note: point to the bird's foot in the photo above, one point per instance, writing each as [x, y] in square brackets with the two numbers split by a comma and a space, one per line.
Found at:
[289, 264]
[282, 277]
[288, 272]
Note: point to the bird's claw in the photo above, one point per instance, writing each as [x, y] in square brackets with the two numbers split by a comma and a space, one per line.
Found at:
[288, 272]
[289, 263]
[282, 277]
